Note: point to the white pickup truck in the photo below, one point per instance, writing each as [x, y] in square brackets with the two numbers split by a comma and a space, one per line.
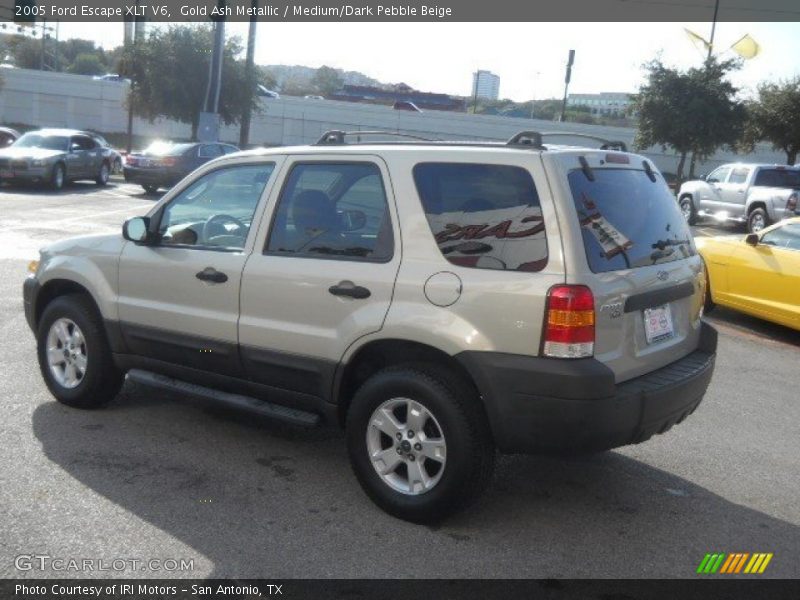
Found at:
[747, 193]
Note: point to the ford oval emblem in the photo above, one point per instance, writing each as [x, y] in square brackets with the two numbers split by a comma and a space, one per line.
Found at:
[663, 275]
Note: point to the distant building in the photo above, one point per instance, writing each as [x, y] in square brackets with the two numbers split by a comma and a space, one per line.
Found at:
[604, 103]
[485, 84]
[398, 93]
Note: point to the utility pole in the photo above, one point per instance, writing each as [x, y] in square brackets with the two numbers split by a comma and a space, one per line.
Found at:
[244, 131]
[132, 43]
[713, 29]
[208, 125]
[533, 99]
[567, 78]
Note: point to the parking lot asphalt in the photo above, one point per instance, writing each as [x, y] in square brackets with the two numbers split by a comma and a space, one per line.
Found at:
[156, 475]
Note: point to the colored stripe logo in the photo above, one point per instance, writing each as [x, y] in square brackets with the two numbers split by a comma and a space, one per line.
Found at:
[735, 563]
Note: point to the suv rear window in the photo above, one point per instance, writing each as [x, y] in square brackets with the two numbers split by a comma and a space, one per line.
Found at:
[785, 178]
[483, 216]
[627, 220]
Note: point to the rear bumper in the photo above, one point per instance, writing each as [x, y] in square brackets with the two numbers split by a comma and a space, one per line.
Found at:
[552, 405]
[157, 177]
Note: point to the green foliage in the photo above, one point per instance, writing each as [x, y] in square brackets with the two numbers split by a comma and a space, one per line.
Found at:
[689, 111]
[71, 55]
[327, 80]
[170, 73]
[87, 64]
[775, 117]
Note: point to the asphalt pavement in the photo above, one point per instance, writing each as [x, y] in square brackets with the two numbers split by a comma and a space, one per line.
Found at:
[156, 475]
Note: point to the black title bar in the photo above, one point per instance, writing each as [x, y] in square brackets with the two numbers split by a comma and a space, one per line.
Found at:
[408, 10]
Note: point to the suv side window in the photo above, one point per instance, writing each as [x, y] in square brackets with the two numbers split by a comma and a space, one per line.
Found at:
[739, 175]
[483, 216]
[718, 175]
[333, 210]
[215, 211]
[789, 178]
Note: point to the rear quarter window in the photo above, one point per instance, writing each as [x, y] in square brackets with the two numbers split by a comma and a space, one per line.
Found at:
[628, 221]
[483, 216]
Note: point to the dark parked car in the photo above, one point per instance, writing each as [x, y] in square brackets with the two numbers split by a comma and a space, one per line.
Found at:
[163, 164]
[54, 157]
[8, 136]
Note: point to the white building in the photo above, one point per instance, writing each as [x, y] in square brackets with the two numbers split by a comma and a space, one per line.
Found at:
[485, 84]
[604, 103]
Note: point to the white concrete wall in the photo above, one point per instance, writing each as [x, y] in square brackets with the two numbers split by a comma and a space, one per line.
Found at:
[61, 100]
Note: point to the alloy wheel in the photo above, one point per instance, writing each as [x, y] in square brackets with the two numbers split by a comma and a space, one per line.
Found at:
[406, 446]
[66, 353]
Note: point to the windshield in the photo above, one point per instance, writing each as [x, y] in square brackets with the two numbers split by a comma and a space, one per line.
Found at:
[627, 220]
[37, 140]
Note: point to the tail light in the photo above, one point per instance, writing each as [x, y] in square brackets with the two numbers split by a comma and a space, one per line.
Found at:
[130, 160]
[569, 322]
[167, 162]
[791, 203]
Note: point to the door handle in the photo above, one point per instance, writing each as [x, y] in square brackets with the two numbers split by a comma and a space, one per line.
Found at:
[212, 275]
[348, 288]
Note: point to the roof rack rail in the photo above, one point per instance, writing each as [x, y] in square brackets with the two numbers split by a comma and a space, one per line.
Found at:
[526, 138]
[336, 137]
[607, 144]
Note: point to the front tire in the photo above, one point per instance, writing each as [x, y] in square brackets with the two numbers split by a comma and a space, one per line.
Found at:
[419, 442]
[58, 177]
[757, 220]
[74, 355]
[687, 210]
[150, 189]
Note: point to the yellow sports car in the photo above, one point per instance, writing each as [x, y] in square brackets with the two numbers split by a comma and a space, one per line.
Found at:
[758, 274]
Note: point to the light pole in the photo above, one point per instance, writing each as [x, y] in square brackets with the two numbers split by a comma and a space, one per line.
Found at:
[567, 78]
[535, 81]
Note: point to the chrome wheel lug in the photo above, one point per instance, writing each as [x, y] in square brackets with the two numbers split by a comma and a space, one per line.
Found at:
[411, 433]
[417, 446]
[399, 436]
[411, 457]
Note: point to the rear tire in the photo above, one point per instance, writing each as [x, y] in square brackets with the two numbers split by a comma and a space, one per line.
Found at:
[687, 209]
[453, 455]
[74, 355]
[150, 189]
[757, 220]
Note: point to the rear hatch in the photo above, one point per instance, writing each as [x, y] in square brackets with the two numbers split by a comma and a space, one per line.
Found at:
[624, 237]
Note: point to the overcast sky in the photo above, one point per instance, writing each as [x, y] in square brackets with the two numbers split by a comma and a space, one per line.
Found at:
[528, 57]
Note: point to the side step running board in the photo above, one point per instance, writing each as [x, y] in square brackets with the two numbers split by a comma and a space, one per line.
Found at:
[252, 405]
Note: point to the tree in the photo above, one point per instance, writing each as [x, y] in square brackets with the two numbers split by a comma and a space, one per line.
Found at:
[87, 64]
[775, 117]
[692, 111]
[327, 80]
[170, 75]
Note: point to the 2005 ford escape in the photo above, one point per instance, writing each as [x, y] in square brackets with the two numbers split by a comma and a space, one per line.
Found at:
[439, 300]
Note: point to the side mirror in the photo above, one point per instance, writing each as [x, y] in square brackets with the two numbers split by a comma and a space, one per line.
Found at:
[74, 147]
[751, 239]
[137, 229]
[353, 220]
